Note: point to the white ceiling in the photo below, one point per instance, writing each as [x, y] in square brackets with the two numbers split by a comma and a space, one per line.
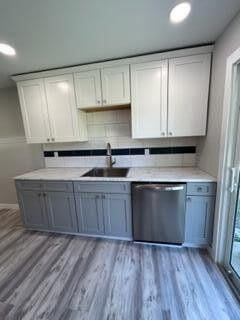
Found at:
[56, 33]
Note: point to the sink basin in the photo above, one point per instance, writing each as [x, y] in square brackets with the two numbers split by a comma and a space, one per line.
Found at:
[107, 172]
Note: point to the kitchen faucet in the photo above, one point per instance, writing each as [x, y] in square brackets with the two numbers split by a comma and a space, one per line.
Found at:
[110, 160]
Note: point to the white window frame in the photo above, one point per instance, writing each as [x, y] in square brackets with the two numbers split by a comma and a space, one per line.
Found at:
[225, 161]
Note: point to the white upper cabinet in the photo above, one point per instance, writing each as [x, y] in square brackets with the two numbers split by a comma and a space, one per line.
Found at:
[34, 110]
[62, 108]
[168, 93]
[88, 89]
[115, 85]
[102, 87]
[188, 95]
[149, 99]
[49, 110]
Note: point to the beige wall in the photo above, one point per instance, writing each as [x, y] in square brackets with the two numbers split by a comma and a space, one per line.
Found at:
[228, 42]
[16, 157]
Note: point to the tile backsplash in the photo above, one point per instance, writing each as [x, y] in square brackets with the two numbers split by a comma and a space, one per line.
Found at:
[115, 127]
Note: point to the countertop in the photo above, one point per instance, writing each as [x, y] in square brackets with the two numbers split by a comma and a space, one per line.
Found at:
[161, 174]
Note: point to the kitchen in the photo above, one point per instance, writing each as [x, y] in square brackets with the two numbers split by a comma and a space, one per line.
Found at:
[119, 190]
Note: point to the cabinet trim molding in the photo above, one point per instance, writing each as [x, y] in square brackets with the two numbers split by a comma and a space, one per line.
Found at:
[115, 62]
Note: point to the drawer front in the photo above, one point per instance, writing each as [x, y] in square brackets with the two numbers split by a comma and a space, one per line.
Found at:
[102, 187]
[203, 189]
[65, 186]
[29, 184]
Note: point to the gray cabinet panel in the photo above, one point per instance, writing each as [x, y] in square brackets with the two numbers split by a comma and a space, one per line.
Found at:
[58, 186]
[117, 215]
[33, 209]
[61, 211]
[90, 213]
[102, 187]
[199, 220]
[29, 184]
[201, 188]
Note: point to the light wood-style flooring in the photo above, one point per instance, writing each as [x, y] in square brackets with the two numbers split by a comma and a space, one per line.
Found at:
[51, 276]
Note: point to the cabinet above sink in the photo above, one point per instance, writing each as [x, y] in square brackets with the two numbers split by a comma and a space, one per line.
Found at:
[102, 87]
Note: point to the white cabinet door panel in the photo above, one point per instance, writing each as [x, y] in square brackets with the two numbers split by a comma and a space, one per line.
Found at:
[188, 95]
[149, 99]
[62, 108]
[116, 85]
[34, 110]
[88, 89]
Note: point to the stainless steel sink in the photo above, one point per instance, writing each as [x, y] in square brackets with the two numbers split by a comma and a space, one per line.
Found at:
[107, 172]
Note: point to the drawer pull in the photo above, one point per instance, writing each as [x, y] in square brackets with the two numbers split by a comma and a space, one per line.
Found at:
[199, 189]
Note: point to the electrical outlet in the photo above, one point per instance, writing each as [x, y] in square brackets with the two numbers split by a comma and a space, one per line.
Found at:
[147, 152]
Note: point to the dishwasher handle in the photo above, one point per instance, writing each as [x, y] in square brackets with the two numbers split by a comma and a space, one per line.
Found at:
[160, 187]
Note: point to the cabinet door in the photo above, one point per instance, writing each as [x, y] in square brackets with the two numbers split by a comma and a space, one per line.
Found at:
[90, 213]
[33, 209]
[34, 110]
[199, 220]
[117, 215]
[62, 108]
[149, 99]
[116, 85]
[61, 211]
[88, 89]
[188, 95]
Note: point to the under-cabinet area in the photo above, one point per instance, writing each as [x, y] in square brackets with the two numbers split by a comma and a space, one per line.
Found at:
[167, 94]
[104, 209]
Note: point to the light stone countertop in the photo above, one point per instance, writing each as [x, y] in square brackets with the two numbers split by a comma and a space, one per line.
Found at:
[144, 174]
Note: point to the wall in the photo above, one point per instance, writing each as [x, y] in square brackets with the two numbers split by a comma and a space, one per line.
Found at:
[228, 42]
[115, 127]
[16, 157]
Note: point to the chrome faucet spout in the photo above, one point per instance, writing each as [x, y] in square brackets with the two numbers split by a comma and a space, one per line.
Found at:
[110, 160]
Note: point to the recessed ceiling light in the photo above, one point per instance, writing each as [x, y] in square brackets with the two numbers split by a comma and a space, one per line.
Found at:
[6, 49]
[180, 12]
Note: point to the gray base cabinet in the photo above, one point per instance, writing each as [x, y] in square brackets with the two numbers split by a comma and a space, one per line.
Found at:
[200, 204]
[61, 211]
[47, 206]
[104, 209]
[90, 213]
[90, 208]
[117, 215]
[33, 209]
[199, 220]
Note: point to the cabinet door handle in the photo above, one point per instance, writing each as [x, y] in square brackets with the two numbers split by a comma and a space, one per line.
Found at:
[104, 101]
[170, 133]
[48, 139]
[189, 199]
[98, 101]
[103, 197]
[53, 139]
[44, 194]
[163, 134]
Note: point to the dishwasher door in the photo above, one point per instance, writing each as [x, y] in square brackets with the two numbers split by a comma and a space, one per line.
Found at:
[159, 212]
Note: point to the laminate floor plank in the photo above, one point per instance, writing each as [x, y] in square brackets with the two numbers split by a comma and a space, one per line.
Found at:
[51, 276]
[4, 310]
[89, 294]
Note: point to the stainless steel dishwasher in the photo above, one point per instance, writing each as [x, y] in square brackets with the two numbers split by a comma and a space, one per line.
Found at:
[159, 212]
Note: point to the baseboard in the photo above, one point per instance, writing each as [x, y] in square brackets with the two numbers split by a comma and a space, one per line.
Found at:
[9, 206]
